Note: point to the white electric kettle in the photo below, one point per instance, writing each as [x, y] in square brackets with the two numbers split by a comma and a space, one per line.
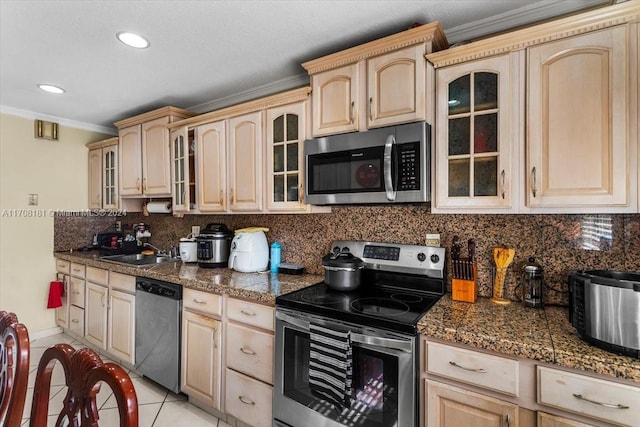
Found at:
[249, 250]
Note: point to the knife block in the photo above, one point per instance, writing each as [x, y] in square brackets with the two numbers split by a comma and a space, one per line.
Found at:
[463, 289]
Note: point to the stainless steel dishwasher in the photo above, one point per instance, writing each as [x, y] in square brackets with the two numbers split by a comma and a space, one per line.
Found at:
[158, 328]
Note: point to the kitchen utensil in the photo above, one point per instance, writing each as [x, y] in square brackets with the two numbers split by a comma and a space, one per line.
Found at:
[342, 271]
[532, 284]
[213, 246]
[503, 257]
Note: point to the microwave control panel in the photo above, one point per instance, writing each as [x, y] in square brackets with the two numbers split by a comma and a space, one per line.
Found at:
[408, 166]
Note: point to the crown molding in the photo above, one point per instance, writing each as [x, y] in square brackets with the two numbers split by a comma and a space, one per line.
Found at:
[526, 15]
[253, 93]
[25, 114]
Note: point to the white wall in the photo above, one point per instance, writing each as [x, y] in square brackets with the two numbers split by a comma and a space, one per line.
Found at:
[57, 172]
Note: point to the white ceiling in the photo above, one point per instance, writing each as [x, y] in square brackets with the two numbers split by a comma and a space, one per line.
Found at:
[205, 54]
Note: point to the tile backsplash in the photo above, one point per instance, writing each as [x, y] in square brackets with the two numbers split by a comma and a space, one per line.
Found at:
[560, 243]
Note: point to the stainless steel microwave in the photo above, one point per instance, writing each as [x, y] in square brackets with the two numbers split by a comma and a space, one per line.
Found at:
[386, 165]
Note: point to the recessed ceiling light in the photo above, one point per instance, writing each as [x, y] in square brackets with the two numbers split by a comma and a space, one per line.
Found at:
[133, 40]
[51, 88]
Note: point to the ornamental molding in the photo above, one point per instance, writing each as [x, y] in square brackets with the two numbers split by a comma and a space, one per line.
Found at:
[611, 16]
[173, 112]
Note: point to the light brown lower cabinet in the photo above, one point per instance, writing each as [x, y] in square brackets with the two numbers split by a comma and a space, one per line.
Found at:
[248, 399]
[449, 406]
[201, 355]
[548, 420]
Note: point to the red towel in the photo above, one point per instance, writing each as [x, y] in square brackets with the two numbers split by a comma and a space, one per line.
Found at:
[56, 292]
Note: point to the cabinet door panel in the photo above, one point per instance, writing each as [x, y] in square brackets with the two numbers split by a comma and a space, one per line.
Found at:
[201, 354]
[95, 178]
[578, 120]
[62, 312]
[212, 171]
[335, 100]
[130, 161]
[122, 318]
[449, 406]
[396, 87]
[110, 177]
[96, 315]
[245, 160]
[156, 158]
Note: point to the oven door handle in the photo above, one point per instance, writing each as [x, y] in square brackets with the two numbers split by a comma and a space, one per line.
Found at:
[390, 343]
[388, 155]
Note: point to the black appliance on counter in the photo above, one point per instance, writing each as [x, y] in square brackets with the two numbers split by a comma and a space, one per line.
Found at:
[604, 307]
[399, 283]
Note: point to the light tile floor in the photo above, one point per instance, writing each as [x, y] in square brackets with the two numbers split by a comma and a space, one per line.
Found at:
[158, 407]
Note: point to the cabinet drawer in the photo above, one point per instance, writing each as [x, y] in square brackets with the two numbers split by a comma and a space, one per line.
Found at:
[250, 313]
[76, 320]
[548, 420]
[203, 302]
[122, 282]
[250, 351]
[76, 292]
[483, 370]
[98, 276]
[77, 270]
[63, 266]
[248, 400]
[605, 400]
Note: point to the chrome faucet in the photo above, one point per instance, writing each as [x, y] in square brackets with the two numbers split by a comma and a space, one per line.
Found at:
[159, 251]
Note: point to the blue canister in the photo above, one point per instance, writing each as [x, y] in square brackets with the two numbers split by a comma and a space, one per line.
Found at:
[276, 248]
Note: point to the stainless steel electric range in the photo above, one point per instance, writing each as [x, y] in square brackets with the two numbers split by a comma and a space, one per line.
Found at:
[378, 323]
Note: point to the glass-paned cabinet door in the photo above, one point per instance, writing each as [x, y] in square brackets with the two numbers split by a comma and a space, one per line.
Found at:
[477, 134]
[183, 169]
[110, 177]
[285, 136]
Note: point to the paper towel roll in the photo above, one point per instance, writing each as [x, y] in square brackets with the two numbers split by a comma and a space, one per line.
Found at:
[159, 207]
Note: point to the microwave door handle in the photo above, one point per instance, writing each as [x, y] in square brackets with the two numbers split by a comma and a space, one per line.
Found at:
[388, 180]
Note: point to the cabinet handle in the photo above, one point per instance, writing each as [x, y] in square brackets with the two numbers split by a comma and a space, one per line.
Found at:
[77, 270]
[144, 184]
[595, 402]
[502, 175]
[102, 300]
[75, 320]
[246, 401]
[76, 292]
[247, 313]
[534, 186]
[221, 197]
[232, 197]
[351, 115]
[371, 108]
[479, 370]
[249, 351]
[507, 420]
[197, 301]
[138, 184]
[301, 194]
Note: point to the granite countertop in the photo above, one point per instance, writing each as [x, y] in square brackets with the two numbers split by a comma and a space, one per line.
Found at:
[515, 330]
[259, 287]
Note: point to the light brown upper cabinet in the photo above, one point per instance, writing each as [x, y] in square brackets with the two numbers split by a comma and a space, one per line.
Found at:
[103, 174]
[578, 144]
[211, 144]
[145, 155]
[479, 108]
[578, 148]
[183, 170]
[379, 83]
[246, 145]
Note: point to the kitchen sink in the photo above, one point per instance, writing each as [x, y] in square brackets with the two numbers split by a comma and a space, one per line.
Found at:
[138, 260]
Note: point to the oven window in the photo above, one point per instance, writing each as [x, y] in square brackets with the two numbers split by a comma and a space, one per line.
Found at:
[347, 171]
[375, 384]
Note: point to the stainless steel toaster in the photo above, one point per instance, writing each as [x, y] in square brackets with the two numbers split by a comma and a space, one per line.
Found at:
[604, 307]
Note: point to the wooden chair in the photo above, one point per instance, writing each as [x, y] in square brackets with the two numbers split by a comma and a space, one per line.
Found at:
[84, 370]
[14, 369]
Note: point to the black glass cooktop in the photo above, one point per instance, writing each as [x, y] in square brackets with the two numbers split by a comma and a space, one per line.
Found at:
[383, 307]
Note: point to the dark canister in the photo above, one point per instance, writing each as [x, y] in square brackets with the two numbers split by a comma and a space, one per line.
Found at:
[532, 284]
[342, 271]
[213, 246]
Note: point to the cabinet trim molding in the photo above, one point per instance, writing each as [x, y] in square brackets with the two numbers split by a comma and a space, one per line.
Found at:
[176, 113]
[102, 143]
[597, 19]
[428, 33]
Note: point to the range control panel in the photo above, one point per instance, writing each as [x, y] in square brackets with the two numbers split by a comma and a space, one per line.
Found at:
[415, 259]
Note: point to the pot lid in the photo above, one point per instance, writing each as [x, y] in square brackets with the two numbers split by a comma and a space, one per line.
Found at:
[342, 260]
[532, 266]
[215, 230]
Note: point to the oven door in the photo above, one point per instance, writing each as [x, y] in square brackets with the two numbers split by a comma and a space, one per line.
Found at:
[384, 386]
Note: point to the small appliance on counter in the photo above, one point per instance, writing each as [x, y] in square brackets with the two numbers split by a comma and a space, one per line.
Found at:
[604, 307]
[532, 284]
[213, 246]
[188, 249]
[249, 250]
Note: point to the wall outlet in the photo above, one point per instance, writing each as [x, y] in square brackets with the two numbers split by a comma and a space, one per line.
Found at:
[195, 230]
[33, 200]
[118, 225]
[432, 239]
